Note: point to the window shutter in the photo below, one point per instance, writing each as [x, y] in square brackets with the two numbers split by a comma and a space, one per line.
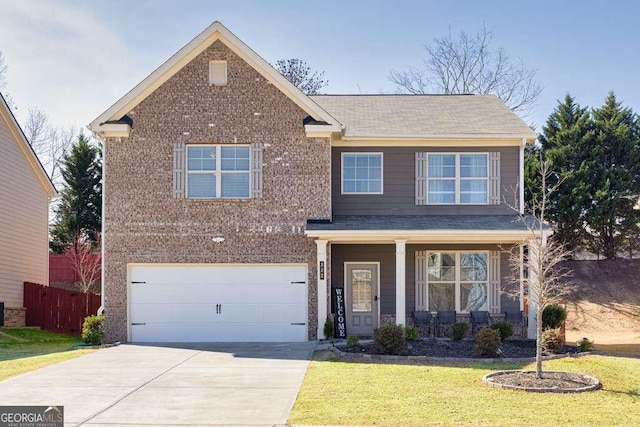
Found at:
[421, 284]
[421, 178]
[178, 170]
[218, 73]
[494, 178]
[494, 282]
[256, 170]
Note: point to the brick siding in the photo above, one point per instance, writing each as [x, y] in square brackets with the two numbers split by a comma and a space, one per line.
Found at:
[145, 224]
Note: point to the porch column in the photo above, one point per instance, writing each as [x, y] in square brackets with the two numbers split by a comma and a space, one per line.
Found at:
[521, 276]
[534, 298]
[321, 268]
[401, 287]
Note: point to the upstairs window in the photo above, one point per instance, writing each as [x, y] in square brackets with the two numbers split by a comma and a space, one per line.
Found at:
[361, 173]
[218, 171]
[457, 178]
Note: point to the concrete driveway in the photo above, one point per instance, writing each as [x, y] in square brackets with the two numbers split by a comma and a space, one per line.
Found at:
[207, 384]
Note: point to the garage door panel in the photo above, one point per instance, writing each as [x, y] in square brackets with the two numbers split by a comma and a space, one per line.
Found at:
[214, 273]
[203, 303]
[166, 332]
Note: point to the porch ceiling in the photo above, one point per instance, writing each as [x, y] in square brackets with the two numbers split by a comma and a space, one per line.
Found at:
[425, 229]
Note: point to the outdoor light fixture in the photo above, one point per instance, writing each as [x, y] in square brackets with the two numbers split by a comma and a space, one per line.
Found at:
[217, 239]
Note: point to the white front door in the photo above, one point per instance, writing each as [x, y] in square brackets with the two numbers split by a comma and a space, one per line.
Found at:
[217, 303]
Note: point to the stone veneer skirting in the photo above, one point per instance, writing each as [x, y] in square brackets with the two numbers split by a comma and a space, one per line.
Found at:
[14, 317]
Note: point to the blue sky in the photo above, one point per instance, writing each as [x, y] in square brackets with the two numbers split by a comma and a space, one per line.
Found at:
[73, 59]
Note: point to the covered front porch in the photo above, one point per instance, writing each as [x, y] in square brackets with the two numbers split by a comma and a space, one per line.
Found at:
[387, 269]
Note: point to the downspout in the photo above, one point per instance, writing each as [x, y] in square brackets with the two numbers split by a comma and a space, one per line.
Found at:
[521, 201]
[102, 235]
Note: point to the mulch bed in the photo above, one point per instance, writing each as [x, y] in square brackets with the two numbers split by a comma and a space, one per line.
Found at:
[432, 347]
[556, 382]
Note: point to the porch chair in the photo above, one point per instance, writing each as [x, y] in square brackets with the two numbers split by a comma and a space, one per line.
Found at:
[444, 322]
[423, 322]
[479, 319]
[518, 321]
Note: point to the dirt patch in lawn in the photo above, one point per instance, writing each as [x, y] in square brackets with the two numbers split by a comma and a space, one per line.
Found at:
[605, 306]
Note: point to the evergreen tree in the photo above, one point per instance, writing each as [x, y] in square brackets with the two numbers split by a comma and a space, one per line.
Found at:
[533, 155]
[565, 138]
[613, 169]
[78, 216]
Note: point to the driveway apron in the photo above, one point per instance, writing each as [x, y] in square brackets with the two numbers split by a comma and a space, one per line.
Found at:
[197, 384]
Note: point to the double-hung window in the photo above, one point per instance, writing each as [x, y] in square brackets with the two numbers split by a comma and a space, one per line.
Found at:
[218, 171]
[457, 281]
[361, 173]
[457, 178]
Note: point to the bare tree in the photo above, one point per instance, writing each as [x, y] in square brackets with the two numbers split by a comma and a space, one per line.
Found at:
[468, 64]
[49, 142]
[3, 81]
[546, 282]
[86, 259]
[300, 74]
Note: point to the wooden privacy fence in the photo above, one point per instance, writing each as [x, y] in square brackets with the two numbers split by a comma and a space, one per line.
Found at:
[58, 310]
[63, 270]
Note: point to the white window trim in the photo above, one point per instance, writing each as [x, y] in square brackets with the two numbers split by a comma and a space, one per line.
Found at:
[364, 154]
[458, 282]
[457, 179]
[218, 172]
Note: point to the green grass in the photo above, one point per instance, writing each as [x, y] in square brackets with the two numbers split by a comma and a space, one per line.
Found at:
[342, 393]
[25, 349]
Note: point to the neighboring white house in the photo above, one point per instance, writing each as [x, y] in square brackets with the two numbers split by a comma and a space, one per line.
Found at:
[25, 190]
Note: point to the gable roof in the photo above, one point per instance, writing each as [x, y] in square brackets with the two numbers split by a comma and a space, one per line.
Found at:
[216, 31]
[25, 147]
[420, 116]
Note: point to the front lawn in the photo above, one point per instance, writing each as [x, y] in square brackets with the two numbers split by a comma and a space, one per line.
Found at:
[343, 393]
[25, 349]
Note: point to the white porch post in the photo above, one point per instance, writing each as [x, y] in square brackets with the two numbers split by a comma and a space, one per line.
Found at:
[522, 276]
[401, 286]
[534, 298]
[321, 268]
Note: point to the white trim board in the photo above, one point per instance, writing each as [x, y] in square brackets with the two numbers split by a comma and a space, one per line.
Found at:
[214, 32]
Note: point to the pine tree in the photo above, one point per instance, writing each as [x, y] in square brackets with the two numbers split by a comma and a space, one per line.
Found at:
[78, 215]
[566, 134]
[613, 169]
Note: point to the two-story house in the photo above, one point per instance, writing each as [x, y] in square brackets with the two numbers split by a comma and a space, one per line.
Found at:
[235, 204]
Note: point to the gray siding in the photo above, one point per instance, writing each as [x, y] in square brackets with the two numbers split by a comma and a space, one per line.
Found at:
[399, 184]
[386, 255]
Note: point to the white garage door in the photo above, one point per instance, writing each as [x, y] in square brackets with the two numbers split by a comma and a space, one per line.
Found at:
[218, 303]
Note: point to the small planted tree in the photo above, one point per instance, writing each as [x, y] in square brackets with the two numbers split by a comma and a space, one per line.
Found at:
[85, 256]
[546, 282]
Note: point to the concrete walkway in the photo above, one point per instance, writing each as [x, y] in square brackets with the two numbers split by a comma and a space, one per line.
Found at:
[208, 384]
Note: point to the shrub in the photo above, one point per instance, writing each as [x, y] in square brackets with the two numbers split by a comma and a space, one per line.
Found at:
[93, 330]
[551, 340]
[459, 330]
[389, 338]
[504, 328]
[553, 316]
[487, 343]
[328, 328]
[411, 333]
[584, 344]
[353, 340]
